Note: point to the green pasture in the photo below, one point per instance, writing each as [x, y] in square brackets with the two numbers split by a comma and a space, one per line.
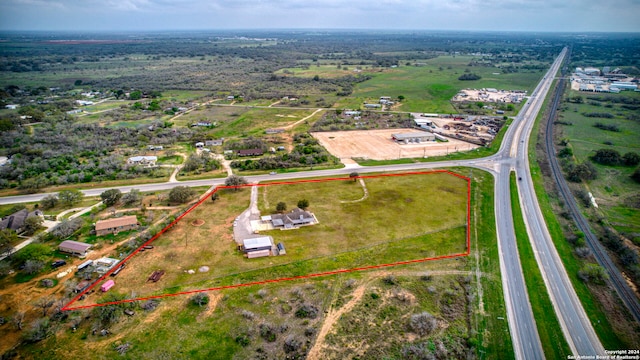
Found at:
[613, 185]
[243, 121]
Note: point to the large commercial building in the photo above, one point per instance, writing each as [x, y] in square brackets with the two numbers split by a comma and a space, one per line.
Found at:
[413, 137]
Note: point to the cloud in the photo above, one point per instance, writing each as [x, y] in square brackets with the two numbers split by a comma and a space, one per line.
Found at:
[502, 15]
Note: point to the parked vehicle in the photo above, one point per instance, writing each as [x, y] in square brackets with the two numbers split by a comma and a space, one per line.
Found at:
[56, 264]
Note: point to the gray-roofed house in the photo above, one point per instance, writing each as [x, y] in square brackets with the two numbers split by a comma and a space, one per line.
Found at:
[293, 220]
[74, 247]
[217, 142]
[16, 220]
[147, 161]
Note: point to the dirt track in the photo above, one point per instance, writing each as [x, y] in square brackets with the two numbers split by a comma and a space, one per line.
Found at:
[377, 145]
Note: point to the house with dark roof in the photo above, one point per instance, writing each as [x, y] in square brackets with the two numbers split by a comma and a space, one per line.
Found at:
[250, 152]
[16, 220]
[293, 219]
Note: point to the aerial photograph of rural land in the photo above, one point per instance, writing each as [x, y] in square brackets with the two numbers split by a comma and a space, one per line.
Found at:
[261, 179]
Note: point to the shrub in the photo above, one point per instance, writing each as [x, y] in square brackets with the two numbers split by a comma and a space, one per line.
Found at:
[40, 330]
[636, 175]
[243, 340]
[132, 197]
[631, 159]
[469, 76]
[592, 273]
[303, 204]
[111, 197]
[390, 280]
[307, 311]
[583, 196]
[582, 252]
[291, 344]
[200, 299]
[181, 194]
[607, 157]
[49, 201]
[565, 152]
[580, 172]
[267, 332]
[67, 227]
[423, 323]
[150, 305]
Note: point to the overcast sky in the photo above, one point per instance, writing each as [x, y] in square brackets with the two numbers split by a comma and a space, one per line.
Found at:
[495, 15]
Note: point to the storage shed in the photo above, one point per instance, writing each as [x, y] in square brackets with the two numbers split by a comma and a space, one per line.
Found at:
[281, 249]
[74, 247]
[257, 244]
[108, 285]
[259, 253]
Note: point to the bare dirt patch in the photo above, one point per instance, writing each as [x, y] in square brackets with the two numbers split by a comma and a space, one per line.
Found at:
[197, 222]
[332, 317]
[378, 145]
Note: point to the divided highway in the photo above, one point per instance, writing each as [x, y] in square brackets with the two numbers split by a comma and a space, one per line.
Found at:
[512, 156]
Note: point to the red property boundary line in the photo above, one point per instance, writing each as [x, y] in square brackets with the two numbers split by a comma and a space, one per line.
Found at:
[68, 307]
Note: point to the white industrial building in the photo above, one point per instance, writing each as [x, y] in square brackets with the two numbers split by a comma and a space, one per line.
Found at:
[413, 137]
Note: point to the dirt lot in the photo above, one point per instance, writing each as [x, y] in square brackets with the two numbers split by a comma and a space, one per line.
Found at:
[490, 95]
[377, 145]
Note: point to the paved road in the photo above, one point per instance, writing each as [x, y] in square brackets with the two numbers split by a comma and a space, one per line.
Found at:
[511, 156]
[573, 319]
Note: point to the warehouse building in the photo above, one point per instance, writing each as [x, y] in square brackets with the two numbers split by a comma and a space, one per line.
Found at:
[413, 137]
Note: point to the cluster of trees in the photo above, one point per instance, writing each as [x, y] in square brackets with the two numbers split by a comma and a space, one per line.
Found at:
[58, 153]
[335, 121]
[598, 115]
[608, 127]
[281, 207]
[307, 152]
[203, 162]
[469, 76]
[613, 157]
[581, 172]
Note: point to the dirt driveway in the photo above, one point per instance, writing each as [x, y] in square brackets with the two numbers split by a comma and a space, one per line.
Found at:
[377, 145]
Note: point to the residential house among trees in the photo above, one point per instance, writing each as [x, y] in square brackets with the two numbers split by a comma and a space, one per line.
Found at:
[17, 220]
[147, 161]
[113, 226]
[250, 152]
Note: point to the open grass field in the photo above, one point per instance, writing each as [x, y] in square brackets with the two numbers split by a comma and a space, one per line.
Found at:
[613, 186]
[367, 314]
[430, 89]
[242, 121]
[400, 226]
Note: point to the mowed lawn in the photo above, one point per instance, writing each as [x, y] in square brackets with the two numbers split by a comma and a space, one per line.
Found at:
[403, 218]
